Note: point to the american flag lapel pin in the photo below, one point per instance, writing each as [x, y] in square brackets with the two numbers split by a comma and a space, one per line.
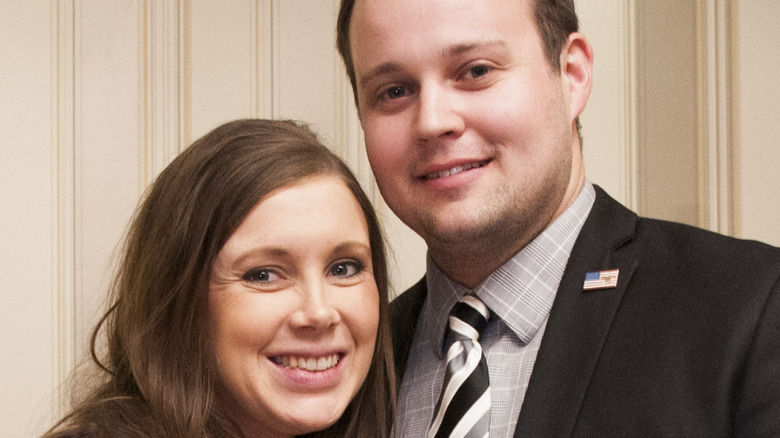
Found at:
[601, 280]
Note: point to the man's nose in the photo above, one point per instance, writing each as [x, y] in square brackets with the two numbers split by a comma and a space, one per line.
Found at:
[438, 113]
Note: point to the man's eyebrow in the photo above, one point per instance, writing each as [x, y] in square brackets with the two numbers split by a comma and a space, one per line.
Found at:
[454, 50]
[459, 49]
[382, 69]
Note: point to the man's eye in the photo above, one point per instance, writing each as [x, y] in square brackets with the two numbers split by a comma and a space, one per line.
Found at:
[479, 70]
[345, 269]
[260, 275]
[395, 92]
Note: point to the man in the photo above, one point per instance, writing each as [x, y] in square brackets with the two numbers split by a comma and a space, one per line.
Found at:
[601, 323]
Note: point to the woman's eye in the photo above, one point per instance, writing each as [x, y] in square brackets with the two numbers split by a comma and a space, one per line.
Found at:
[346, 269]
[260, 275]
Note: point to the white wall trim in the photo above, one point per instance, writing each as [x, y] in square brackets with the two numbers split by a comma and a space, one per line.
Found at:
[163, 86]
[262, 37]
[349, 138]
[63, 103]
[274, 41]
[349, 141]
[715, 118]
[629, 105]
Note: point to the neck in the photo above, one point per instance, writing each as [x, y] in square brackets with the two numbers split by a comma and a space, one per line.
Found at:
[471, 261]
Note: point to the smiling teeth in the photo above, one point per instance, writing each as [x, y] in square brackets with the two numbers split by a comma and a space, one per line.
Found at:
[455, 170]
[308, 364]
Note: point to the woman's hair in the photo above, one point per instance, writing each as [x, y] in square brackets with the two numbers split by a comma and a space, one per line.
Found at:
[157, 375]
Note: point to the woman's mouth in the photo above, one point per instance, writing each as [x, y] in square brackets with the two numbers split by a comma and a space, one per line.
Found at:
[320, 363]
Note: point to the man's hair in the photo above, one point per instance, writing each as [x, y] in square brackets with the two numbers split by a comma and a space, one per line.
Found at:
[555, 21]
[158, 372]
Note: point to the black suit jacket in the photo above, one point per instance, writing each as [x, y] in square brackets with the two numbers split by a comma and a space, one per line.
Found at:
[686, 345]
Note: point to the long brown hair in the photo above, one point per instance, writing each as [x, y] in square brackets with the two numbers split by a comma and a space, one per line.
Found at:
[157, 377]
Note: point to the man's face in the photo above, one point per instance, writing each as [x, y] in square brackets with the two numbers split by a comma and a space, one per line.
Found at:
[468, 129]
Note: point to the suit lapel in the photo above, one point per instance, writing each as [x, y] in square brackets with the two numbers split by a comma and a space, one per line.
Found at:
[579, 322]
[404, 311]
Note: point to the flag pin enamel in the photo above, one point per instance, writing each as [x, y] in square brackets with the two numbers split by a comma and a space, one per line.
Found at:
[601, 280]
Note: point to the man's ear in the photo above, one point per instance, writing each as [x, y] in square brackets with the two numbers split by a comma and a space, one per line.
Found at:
[577, 70]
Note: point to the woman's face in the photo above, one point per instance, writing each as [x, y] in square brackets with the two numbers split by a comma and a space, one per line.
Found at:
[294, 309]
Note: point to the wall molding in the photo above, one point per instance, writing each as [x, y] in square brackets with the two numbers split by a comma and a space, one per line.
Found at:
[63, 180]
[349, 142]
[263, 58]
[273, 37]
[628, 105]
[163, 121]
[715, 118]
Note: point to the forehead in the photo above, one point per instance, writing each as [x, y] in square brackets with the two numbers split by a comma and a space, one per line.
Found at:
[395, 14]
[393, 9]
[306, 209]
[382, 28]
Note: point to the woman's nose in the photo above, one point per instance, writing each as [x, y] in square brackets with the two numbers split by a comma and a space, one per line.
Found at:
[316, 311]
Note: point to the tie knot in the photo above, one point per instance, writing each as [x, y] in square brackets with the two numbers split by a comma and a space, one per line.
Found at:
[469, 317]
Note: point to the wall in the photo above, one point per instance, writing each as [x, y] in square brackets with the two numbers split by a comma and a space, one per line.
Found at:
[28, 233]
[756, 118]
[97, 97]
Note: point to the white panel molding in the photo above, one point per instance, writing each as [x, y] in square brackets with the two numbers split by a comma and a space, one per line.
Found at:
[349, 137]
[274, 42]
[628, 104]
[78, 88]
[262, 41]
[163, 121]
[715, 116]
[63, 179]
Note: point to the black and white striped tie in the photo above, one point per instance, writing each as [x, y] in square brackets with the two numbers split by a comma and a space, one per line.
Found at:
[463, 409]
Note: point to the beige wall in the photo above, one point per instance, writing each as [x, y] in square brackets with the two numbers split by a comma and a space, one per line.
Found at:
[96, 97]
[756, 134]
[27, 235]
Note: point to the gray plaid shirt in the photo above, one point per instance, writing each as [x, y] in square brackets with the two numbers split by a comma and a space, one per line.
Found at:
[519, 294]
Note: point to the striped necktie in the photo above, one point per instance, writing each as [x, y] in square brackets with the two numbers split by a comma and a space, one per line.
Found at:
[463, 409]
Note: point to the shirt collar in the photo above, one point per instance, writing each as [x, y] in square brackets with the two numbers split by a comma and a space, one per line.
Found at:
[522, 290]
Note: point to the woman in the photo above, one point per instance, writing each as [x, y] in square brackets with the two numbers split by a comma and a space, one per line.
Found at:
[250, 299]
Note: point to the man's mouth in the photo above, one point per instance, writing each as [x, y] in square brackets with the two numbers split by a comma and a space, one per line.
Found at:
[455, 170]
[308, 363]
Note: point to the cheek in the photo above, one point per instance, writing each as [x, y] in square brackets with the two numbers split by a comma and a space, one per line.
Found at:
[504, 117]
[364, 332]
[389, 171]
[513, 106]
[385, 139]
[240, 327]
[362, 316]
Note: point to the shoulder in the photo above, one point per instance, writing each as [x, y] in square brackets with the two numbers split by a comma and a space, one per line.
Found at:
[718, 284]
[677, 247]
[705, 250]
[410, 297]
[719, 278]
[404, 311]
